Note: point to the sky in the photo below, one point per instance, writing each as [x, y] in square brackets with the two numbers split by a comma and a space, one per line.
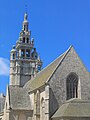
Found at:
[54, 24]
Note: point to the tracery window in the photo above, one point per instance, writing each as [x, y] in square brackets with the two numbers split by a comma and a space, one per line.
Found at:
[72, 86]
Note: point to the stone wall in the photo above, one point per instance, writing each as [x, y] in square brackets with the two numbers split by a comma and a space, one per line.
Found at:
[71, 63]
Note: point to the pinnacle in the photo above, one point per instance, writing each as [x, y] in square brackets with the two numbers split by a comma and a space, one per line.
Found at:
[25, 16]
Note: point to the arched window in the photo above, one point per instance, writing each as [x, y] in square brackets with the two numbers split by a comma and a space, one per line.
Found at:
[27, 40]
[23, 39]
[13, 56]
[24, 27]
[22, 53]
[27, 53]
[72, 86]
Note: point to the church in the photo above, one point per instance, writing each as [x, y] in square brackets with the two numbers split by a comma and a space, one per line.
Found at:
[60, 91]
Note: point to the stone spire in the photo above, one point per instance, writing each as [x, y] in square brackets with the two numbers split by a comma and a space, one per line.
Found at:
[24, 62]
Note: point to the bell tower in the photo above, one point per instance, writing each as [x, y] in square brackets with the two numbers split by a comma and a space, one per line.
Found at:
[25, 62]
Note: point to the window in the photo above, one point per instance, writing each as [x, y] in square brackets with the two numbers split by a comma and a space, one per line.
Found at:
[72, 86]
[24, 27]
[36, 57]
[27, 40]
[27, 27]
[22, 53]
[24, 40]
[27, 53]
[13, 56]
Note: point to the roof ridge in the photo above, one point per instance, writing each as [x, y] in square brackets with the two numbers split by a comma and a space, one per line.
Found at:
[65, 53]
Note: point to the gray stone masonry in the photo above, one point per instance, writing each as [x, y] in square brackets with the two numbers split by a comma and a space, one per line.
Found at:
[71, 63]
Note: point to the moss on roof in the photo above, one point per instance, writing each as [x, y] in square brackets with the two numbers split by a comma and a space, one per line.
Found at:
[43, 76]
[73, 108]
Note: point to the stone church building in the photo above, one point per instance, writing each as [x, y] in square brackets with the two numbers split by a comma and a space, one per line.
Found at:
[61, 91]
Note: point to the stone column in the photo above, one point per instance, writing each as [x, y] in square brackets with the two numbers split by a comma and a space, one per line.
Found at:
[25, 53]
[17, 76]
[37, 106]
[19, 53]
[47, 102]
[35, 102]
[79, 89]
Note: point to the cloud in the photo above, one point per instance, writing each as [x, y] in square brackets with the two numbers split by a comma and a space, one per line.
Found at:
[4, 66]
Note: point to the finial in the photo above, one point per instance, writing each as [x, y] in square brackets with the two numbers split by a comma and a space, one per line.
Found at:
[25, 17]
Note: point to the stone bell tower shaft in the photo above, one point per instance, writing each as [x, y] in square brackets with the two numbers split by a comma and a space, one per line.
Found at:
[25, 62]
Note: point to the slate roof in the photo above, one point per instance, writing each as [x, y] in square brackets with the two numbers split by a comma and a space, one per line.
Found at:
[73, 108]
[2, 102]
[19, 98]
[44, 76]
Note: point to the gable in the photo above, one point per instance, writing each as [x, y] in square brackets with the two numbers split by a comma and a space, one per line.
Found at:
[67, 62]
[71, 63]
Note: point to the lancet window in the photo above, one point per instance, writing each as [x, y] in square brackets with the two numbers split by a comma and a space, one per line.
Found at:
[72, 86]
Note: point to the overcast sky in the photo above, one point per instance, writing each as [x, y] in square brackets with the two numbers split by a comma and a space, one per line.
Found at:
[55, 25]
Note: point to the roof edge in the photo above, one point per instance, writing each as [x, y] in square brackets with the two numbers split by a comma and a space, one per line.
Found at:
[65, 53]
